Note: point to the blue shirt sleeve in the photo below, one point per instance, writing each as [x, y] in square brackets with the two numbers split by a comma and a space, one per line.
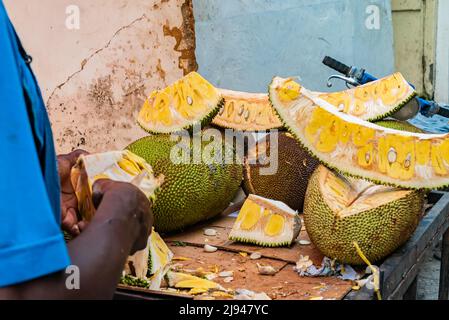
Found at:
[31, 243]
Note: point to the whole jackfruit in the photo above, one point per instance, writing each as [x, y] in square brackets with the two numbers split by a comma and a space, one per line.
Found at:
[293, 168]
[339, 211]
[195, 188]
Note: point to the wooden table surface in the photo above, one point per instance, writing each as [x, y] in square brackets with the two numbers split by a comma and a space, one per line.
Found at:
[398, 272]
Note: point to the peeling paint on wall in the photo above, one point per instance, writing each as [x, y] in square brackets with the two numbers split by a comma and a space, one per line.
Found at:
[95, 104]
[185, 38]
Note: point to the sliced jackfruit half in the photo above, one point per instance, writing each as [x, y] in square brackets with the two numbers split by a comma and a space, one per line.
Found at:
[339, 211]
[266, 222]
[190, 101]
[245, 111]
[363, 149]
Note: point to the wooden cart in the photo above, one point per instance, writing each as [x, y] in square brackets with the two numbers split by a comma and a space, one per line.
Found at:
[399, 272]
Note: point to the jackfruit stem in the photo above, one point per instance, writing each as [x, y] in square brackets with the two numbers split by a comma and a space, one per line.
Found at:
[374, 270]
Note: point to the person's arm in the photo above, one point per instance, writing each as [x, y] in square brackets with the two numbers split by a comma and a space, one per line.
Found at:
[119, 228]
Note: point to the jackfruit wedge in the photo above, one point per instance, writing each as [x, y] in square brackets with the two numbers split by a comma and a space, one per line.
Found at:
[363, 149]
[266, 222]
[189, 101]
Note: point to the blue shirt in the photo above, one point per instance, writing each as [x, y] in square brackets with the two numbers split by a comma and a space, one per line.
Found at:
[31, 243]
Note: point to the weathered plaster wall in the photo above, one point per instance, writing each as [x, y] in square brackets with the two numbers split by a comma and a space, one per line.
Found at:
[95, 79]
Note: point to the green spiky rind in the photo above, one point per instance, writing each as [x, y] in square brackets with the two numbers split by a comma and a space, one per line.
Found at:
[395, 109]
[150, 264]
[134, 282]
[206, 120]
[246, 130]
[399, 125]
[346, 173]
[261, 244]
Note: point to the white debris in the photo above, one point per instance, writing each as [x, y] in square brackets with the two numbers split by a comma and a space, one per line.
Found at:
[267, 270]
[209, 248]
[211, 276]
[243, 294]
[226, 274]
[304, 242]
[210, 232]
[228, 279]
[255, 256]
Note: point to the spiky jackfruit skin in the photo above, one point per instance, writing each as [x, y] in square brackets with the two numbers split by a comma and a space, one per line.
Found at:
[378, 231]
[399, 125]
[207, 120]
[191, 192]
[261, 244]
[289, 183]
[132, 281]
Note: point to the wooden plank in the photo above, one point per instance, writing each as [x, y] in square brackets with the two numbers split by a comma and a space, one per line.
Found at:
[411, 292]
[430, 228]
[135, 292]
[224, 225]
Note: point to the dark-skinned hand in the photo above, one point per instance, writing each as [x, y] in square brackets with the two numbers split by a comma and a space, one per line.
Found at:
[130, 205]
[69, 202]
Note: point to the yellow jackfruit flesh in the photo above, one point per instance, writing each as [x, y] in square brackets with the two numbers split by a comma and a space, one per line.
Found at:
[339, 211]
[266, 223]
[186, 281]
[246, 112]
